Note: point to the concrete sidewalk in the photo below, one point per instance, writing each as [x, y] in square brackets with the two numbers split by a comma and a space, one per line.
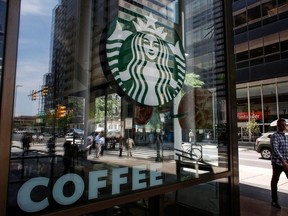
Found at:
[255, 193]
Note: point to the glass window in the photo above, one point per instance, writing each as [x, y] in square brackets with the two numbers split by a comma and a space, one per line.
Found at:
[256, 43]
[282, 3]
[269, 11]
[271, 58]
[256, 61]
[269, 103]
[283, 43]
[254, 25]
[242, 101]
[256, 109]
[258, 52]
[282, 9]
[242, 113]
[243, 56]
[269, 8]
[271, 39]
[240, 30]
[272, 48]
[241, 47]
[242, 64]
[282, 99]
[189, 199]
[109, 106]
[240, 19]
[254, 13]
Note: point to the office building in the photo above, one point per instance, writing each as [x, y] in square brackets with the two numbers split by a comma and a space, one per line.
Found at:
[159, 73]
[261, 39]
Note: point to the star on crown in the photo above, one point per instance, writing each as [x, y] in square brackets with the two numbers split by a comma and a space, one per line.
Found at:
[149, 27]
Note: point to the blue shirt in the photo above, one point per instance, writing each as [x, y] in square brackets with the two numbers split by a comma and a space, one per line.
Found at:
[97, 139]
[279, 144]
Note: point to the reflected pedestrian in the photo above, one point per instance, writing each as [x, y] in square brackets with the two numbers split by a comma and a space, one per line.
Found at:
[41, 138]
[90, 143]
[191, 136]
[51, 145]
[26, 140]
[279, 145]
[68, 157]
[99, 143]
[208, 136]
[102, 144]
[129, 145]
[121, 145]
[34, 138]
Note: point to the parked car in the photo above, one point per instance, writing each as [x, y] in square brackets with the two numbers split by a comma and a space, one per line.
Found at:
[263, 146]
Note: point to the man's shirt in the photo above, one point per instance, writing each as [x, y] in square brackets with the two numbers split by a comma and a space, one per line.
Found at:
[279, 145]
[102, 141]
[97, 139]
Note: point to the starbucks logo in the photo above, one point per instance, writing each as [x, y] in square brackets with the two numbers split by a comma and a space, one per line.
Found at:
[147, 66]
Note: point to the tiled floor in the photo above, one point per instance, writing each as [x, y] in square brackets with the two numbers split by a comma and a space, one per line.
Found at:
[253, 207]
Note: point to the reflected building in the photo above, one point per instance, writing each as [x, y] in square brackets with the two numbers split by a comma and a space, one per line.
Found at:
[3, 6]
[72, 75]
[261, 48]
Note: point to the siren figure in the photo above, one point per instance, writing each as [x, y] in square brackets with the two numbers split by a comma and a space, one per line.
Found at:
[152, 80]
[147, 67]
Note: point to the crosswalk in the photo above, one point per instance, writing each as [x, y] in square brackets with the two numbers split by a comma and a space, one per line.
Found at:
[141, 152]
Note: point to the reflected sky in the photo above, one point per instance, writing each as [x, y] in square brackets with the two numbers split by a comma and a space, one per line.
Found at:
[33, 52]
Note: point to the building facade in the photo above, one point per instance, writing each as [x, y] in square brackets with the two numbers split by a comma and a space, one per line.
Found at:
[159, 73]
[260, 37]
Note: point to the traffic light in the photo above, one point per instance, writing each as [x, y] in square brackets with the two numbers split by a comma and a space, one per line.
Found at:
[34, 95]
[45, 91]
[61, 111]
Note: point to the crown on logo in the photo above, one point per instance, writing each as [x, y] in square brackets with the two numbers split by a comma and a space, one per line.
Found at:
[149, 27]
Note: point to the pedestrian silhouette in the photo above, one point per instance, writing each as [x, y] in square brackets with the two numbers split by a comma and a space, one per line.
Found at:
[68, 157]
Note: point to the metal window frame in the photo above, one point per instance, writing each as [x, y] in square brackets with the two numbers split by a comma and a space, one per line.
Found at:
[7, 95]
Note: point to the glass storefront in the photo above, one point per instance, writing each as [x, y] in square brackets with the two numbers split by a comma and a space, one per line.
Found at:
[121, 109]
[262, 101]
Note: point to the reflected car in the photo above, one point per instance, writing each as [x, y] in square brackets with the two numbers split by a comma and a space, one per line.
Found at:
[75, 134]
[262, 145]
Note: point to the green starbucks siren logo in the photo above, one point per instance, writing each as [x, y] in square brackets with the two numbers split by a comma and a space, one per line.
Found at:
[147, 65]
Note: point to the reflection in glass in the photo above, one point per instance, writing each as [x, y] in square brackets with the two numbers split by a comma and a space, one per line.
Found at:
[255, 103]
[203, 199]
[2, 33]
[242, 113]
[78, 107]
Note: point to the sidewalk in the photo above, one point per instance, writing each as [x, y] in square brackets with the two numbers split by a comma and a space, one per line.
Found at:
[255, 194]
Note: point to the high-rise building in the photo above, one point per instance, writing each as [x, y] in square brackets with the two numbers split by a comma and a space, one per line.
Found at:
[159, 73]
[261, 53]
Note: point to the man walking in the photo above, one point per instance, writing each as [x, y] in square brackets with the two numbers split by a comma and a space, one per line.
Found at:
[279, 144]
[129, 145]
[98, 145]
